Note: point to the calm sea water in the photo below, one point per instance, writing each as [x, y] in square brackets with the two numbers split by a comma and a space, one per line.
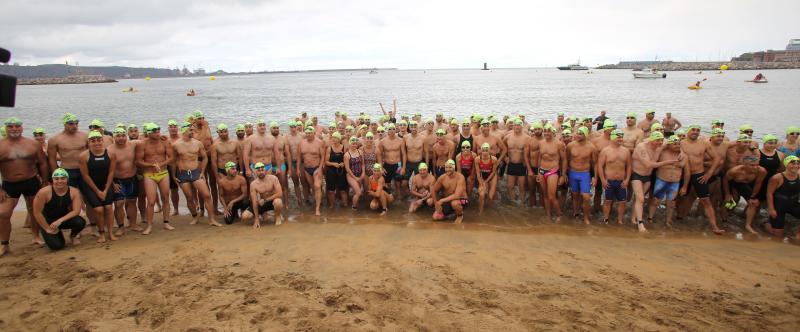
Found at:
[537, 93]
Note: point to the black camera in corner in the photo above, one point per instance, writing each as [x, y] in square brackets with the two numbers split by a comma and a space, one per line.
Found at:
[8, 84]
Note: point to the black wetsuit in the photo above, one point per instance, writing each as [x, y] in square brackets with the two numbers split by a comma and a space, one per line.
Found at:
[785, 201]
[57, 207]
[771, 164]
[336, 178]
[98, 168]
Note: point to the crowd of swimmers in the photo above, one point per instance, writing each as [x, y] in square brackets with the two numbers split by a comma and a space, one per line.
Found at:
[119, 176]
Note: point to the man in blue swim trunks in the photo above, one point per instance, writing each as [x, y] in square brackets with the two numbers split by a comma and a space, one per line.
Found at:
[614, 166]
[189, 171]
[261, 148]
[672, 179]
[645, 157]
[126, 185]
[581, 156]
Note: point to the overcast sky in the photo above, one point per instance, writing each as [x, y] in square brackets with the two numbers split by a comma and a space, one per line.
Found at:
[259, 35]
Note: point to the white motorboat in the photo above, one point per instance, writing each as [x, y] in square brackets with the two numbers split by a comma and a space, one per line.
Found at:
[649, 73]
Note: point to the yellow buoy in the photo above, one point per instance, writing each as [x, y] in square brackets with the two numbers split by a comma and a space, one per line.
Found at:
[723, 67]
[147, 78]
[212, 78]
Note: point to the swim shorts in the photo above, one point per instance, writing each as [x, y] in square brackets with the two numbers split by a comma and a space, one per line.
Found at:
[580, 182]
[188, 176]
[28, 187]
[664, 190]
[128, 188]
[701, 189]
[516, 169]
[616, 192]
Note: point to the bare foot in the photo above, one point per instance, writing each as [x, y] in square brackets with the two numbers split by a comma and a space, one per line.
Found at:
[101, 239]
[214, 223]
[256, 225]
[620, 222]
[174, 213]
[750, 229]
[194, 220]
[147, 230]
[558, 220]
[586, 221]
[112, 237]
[38, 241]
[641, 228]
[278, 221]
[669, 224]
[4, 249]
[168, 227]
[459, 219]
[719, 231]
[136, 228]
[120, 231]
[317, 213]
[383, 213]
[76, 241]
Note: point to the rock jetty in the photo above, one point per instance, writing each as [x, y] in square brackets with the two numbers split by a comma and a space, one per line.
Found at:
[72, 79]
[697, 66]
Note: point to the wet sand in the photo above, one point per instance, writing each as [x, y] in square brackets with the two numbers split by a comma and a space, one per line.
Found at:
[402, 272]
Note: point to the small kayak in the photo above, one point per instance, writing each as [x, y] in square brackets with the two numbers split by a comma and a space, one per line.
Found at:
[757, 81]
[190, 94]
[695, 87]
[126, 90]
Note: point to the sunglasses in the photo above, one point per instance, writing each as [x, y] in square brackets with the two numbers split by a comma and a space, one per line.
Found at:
[465, 147]
[95, 139]
[440, 135]
[94, 127]
[748, 131]
[629, 118]
[485, 125]
[37, 134]
[72, 122]
[795, 134]
[794, 162]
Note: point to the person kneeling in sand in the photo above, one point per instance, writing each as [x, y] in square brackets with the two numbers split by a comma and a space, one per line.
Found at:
[232, 193]
[268, 187]
[57, 207]
[421, 188]
[377, 191]
[452, 184]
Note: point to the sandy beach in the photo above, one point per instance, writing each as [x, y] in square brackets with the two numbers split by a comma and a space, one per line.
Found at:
[375, 274]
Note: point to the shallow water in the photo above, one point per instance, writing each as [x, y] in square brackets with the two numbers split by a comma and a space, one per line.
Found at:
[537, 93]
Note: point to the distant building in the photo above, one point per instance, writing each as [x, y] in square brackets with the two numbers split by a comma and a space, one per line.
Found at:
[794, 45]
[639, 64]
[777, 56]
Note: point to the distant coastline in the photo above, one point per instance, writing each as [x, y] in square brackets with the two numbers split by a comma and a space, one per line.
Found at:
[74, 79]
[699, 66]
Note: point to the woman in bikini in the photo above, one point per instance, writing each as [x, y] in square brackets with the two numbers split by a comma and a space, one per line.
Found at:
[370, 153]
[376, 189]
[486, 166]
[464, 164]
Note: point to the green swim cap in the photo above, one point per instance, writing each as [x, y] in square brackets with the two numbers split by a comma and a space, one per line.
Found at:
[453, 121]
[564, 125]
[717, 132]
[188, 117]
[376, 167]
[560, 113]
[353, 139]
[198, 114]
[673, 139]
[261, 121]
[133, 126]
[518, 122]
[485, 146]
[381, 129]
[38, 130]
[410, 123]
[549, 127]
[336, 135]
[656, 135]
[97, 123]
[310, 129]
[682, 131]
[655, 126]
[274, 124]
[240, 127]
[172, 122]
[309, 123]
[230, 165]
[184, 127]
[119, 125]
[616, 133]
[402, 123]
[716, 122]
[222, 127]
[450, 162]
[649, 111]
[466, 122]
[583, 130]
[537, 125]
[349, 127]
[95, 134]
[769, 137]
[259, 165]
[363, 126]
[439, 114]
[331, 124]
[250, 124]
[120, 131]
[69, 117]
[440, 131]
[789, 159]
[566, 132]
[484, 121]
[608, 124]
[573, 118]
[13, 121]
[693, 126]
[792, 129]
[60, 173]
[745, 127]
[369, 134]
[467, 144]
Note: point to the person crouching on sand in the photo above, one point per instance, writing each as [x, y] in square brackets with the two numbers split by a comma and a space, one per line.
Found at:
[377, 191]
[57, 207]
[452, 184]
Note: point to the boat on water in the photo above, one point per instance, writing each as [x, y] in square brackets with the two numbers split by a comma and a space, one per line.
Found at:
[757, 81]
[695, 87]
[574, 66]
[649, 73]
[373, 71]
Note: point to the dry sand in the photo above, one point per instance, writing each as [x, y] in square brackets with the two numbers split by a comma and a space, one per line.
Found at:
[309, 275]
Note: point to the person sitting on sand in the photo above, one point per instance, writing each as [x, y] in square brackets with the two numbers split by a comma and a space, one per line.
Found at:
[232, 193]
[453, 198]
[265, 195]
[381, 196]
[57, 207]
[421, 188]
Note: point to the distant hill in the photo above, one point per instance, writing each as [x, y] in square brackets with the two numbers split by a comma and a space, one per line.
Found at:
[58, 70]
